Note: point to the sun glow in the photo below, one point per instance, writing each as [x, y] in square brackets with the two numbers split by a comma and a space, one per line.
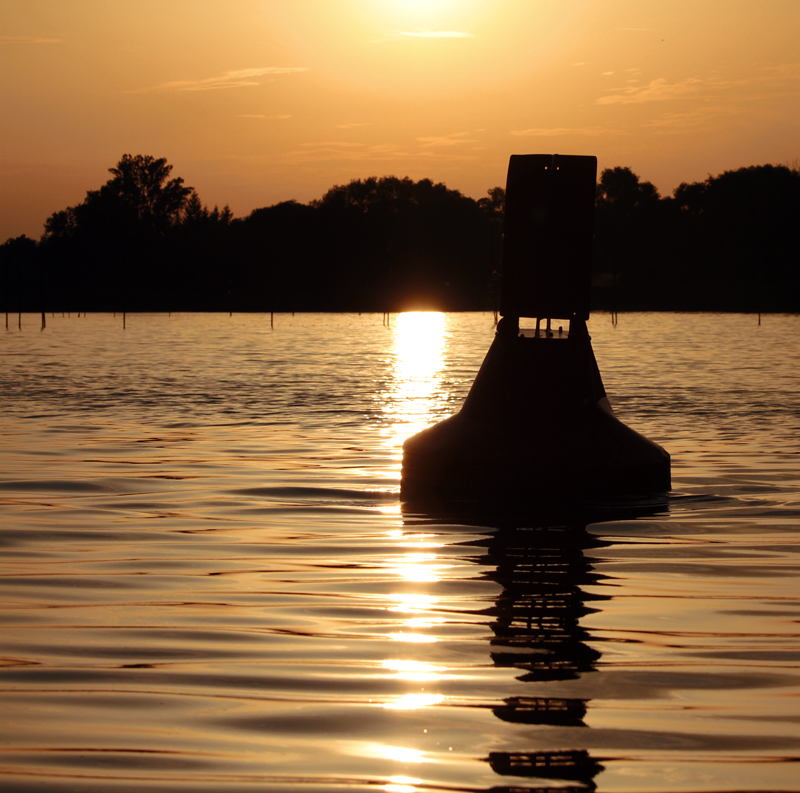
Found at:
[424, 11]
[419, 342]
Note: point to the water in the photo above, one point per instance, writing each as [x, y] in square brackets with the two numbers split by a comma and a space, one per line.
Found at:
[209, 583]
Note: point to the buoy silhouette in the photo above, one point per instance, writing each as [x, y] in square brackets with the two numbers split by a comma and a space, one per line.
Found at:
[537, 420]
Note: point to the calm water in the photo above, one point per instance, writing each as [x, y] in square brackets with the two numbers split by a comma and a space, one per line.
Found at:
[209, 583]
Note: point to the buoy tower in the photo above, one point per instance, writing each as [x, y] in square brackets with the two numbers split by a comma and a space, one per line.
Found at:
[536, 420]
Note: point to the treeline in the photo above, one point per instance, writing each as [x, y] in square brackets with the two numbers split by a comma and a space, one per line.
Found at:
[730, 243]
[145, 242]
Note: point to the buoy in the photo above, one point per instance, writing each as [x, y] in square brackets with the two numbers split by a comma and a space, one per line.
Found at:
[537, 419]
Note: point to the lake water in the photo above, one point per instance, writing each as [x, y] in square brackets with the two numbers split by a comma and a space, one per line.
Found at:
[209, 582]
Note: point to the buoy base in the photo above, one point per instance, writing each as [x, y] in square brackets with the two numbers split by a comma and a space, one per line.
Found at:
[536, 422]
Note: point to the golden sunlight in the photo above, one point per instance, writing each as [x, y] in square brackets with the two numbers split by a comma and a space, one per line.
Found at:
[420, 340]
[412, 602]
[402, 784]
[414, 702]
[400, 754]
[423, 10]
[414, 671]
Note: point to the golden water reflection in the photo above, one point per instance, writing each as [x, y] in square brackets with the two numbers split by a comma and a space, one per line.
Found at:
[402, 784]
[414, 401]
[414, 563]
[420, 341]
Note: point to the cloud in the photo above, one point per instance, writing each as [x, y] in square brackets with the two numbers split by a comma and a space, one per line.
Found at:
[29, 40]
[558, 132]
[453, 139]
[779, 80]
[387, 153]
[656, 91]
[233, 79]
[691, 121]
[428, 34]
[354, 124]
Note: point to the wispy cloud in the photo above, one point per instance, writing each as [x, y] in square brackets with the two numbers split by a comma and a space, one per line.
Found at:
[237, 78]
[656, 91]
[387, 153]
[30, 40]
[694, 120]
[453, 139]
[558, 132]
[354, 125]
[772, 81]
[428, 34]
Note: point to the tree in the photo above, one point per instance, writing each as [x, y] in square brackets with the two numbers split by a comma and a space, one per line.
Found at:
[621, 187]
[19, 275]
[141, 185]
[110, 249]
[630, 249]
[741, 235]
[494, 203]
[395, 243]
[140, 200]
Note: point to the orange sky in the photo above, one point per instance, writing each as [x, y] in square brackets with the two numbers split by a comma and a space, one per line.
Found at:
[259, 101]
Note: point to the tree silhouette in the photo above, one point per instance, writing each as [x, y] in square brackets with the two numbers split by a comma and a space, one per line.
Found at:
[742, 225]
[109, 248]
[142, 186]
[140, 198]
[630, 254]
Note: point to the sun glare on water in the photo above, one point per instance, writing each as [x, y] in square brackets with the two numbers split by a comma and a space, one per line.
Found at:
[420, 340]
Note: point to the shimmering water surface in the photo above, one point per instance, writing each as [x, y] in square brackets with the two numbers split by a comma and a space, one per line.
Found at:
[209, 582]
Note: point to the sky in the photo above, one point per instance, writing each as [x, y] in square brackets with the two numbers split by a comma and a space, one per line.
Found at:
[259, 101]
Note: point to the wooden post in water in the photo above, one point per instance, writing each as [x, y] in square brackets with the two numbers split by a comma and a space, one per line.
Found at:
[271, 320]
[44, 323]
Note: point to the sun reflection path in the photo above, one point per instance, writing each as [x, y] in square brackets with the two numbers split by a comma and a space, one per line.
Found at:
[413, 566]
[414, 398]
[417, 619]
